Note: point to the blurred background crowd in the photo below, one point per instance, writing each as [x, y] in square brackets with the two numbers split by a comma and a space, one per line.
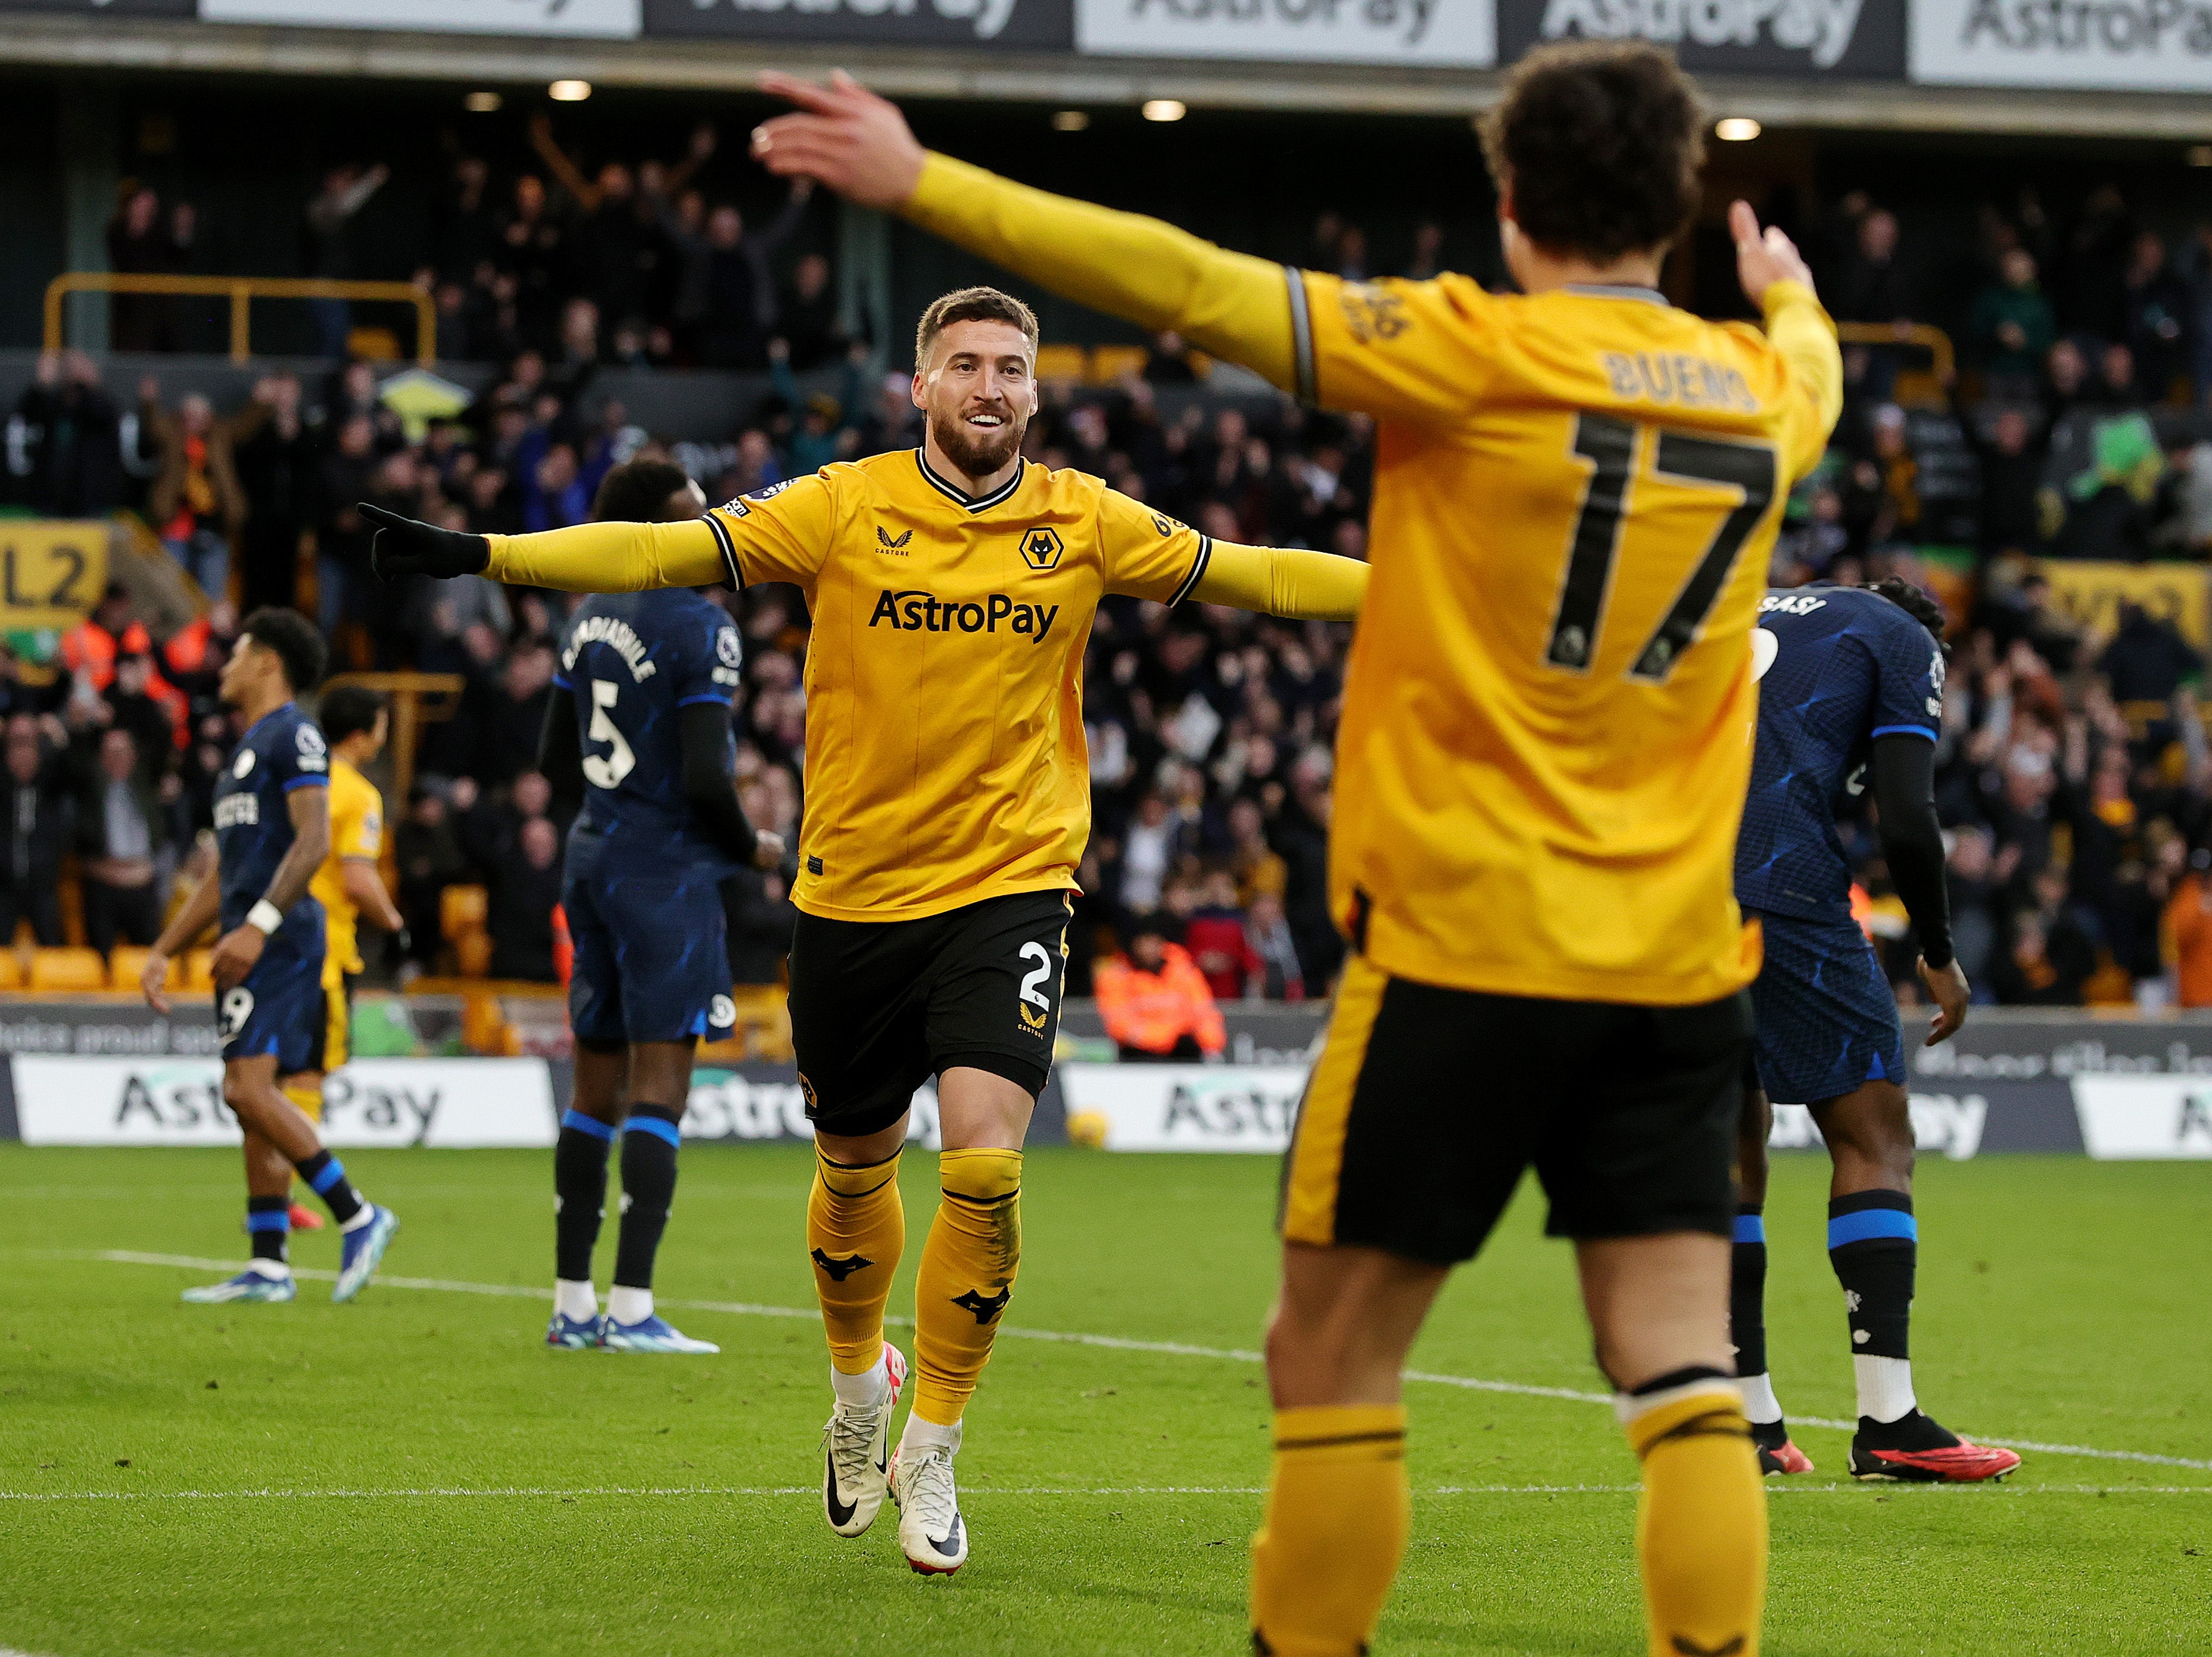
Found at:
[2059, 418]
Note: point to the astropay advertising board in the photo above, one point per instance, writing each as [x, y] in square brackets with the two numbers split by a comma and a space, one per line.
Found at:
[605, 19]
[2128, 45]
[1422, 33]
[450, 1102]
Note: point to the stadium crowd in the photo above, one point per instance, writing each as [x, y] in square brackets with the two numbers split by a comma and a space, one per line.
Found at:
[2074, 777]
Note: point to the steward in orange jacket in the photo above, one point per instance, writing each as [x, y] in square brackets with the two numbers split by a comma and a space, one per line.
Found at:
[1156, 1002]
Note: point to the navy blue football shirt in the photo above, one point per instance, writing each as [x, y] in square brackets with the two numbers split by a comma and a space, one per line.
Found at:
[282, 751]
[631, 662]
[1837, 668]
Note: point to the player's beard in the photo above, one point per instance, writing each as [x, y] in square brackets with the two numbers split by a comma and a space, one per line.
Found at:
[974, 453]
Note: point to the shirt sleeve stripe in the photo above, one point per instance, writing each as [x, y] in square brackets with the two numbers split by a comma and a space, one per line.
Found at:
[1906, 730]
[1197, 570]
[307, 782]
[1301, 335]
[729, 550]
[561, 681]
[705, 696]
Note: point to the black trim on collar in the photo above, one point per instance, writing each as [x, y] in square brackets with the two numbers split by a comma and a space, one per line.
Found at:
[972, 502]
[1302, 345]
[1197, 571]
[729, 551]
[1636, 291]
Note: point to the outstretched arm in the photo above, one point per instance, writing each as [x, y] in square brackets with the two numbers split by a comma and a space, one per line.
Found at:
[858, 144]
[1283, 581]
[584, 558]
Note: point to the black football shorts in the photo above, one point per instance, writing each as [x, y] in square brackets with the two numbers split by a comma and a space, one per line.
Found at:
[877, 1007]
[1427, 1104]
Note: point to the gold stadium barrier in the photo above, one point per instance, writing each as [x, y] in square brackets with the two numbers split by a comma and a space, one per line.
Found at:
[242, 291]
[1924, 389]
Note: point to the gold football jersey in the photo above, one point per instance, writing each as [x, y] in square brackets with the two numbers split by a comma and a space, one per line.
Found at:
[357, 834]
[945, 761]
[1549, 708]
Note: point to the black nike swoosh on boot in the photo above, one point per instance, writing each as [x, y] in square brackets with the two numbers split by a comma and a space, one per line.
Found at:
[840, 1513]
[951, 1544]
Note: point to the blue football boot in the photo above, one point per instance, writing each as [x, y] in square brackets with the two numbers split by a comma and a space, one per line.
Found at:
[364, 1246]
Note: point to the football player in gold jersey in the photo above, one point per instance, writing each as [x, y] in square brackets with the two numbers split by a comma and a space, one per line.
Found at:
[951, 589]
[1546, 734]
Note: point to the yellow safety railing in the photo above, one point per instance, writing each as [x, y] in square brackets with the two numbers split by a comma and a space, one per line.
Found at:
[242, 291]
[1942, 360]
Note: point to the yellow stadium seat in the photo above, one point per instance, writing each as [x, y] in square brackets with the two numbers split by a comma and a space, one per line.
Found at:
[1111, 362]
[472, 953]
[69, 968]
[127, 965]
[11, 971]
[373, 344]
[199, 971]
[461, 909]
[1061, 361]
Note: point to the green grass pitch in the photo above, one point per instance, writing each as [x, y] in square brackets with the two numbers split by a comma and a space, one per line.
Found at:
[417, 1473]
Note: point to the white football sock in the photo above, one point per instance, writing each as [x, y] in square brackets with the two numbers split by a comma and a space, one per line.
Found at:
[367, 1212]
[579, 1302]
[1760, 1404]
[1885, 1387]
[864, 1390]
[628, 1305]
[277, 1268]
[921, 1435]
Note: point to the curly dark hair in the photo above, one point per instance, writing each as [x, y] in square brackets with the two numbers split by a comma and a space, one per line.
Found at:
[1916, 603]
[1598, 143]
[347, 710]
[294, 638]
[638, 491]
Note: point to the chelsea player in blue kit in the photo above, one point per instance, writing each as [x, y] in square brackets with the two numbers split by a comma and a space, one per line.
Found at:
[642, 732]
[272, 830]
[1850, 697]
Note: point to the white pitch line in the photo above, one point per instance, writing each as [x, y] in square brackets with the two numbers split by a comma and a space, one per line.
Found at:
[1116, 1343]
[517, 1492]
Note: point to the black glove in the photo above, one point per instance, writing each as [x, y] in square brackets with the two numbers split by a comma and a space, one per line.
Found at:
[404, 547]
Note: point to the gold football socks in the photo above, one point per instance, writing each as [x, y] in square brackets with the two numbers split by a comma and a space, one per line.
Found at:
[1338, 1512]
[855, 1232]
[967, 1276]
[1701, 1527]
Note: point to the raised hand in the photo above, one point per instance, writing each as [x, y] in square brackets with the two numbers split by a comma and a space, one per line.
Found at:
[842, 135]
[404, 547]
[1763, 259]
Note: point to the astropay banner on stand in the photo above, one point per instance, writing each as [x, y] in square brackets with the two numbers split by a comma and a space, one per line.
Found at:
[1422, 32]
[2126, 46]
[605, 19]
[384, 1102]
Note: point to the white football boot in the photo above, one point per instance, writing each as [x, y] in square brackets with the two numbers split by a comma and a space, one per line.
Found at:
[856, 1443]
[932, 1533]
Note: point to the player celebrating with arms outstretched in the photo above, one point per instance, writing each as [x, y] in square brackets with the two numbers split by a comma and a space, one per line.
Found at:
[951, 589]
[272, 829]
[1540, 771]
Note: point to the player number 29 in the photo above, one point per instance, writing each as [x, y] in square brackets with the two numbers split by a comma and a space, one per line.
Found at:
[606, 770]
[1612, 447]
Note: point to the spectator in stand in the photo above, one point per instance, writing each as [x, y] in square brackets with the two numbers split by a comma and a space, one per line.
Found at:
[807, 318]
[2154, 314]
[276, 460]
[197, 504]
[1217, 940]
[154, 714]
[342, 543]
[1148, 852]
[429, 858]
[1280, 976]
[504, 714]
[121, 832]
[1973, 922]
[1155, 1003]
[345, 191]
[141, 243]
[34, 827]
[519, 916]
[1872, 285]
[2012, 328]
[758, 919]
[740, 313]
[64, 443]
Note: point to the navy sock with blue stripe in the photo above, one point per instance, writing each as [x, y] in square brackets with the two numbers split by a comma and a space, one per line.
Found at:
[326, 1174]
[650, 1139]
[1874, 1244]
[1748, 1290]
[579, 1193]
[269, 1227]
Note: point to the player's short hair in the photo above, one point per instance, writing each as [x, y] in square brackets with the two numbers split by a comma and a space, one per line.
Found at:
[638, 492]
[294, 638]
[347, 710]
[1914, 602]
[1600, 144]
[971, 305]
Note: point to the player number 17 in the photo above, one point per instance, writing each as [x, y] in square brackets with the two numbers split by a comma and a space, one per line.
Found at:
[1611, 446]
